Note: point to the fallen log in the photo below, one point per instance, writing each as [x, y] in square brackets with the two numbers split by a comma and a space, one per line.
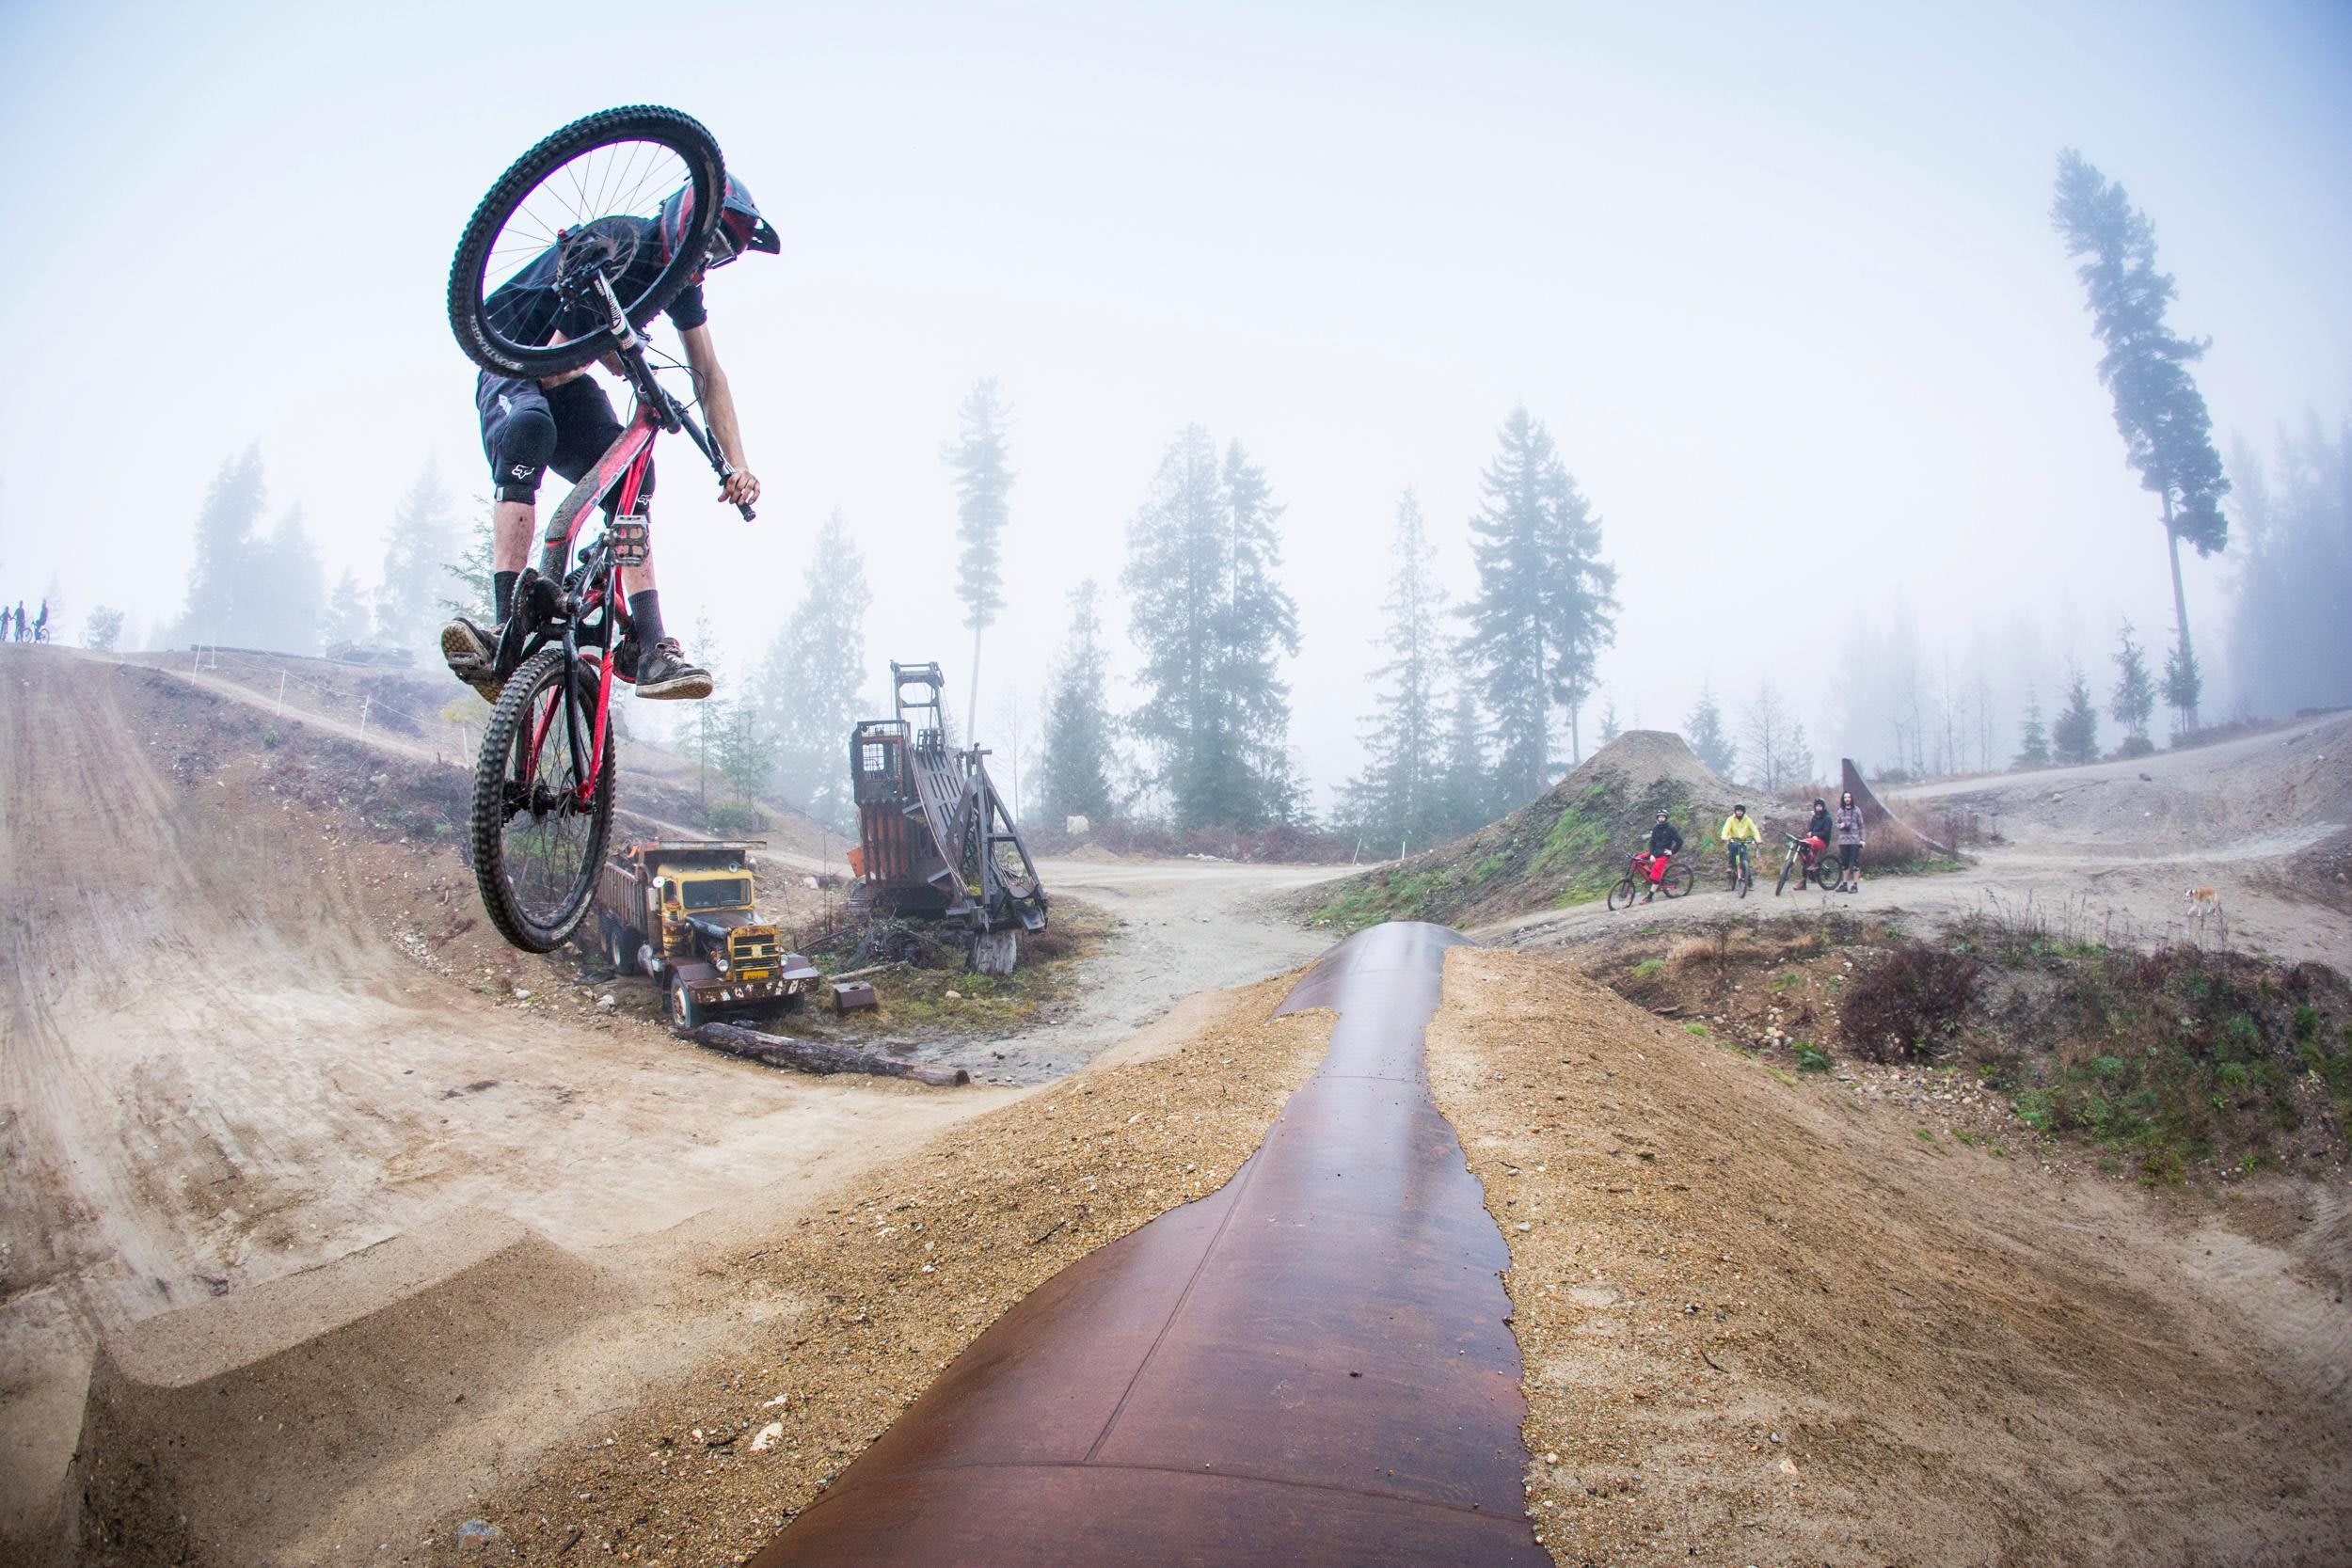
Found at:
[817, 1056]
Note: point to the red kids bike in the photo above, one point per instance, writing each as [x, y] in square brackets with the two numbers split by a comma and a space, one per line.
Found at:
[577, 203]
[1674, 880]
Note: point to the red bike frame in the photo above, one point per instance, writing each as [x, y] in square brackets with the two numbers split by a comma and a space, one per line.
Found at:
[624, 462]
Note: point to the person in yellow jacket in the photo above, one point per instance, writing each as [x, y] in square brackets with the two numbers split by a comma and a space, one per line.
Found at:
[1741, 838]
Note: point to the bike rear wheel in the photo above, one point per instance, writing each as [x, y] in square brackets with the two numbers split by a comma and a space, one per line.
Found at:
[583, 193]
[537, 848]
[1622, 895]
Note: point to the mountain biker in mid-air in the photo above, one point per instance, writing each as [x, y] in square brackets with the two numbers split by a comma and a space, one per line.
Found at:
[1665, 842]
[566, 422]
[1741, 837]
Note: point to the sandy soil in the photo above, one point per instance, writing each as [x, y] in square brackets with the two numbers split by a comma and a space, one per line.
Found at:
[1767, 1323]
[2098, 852]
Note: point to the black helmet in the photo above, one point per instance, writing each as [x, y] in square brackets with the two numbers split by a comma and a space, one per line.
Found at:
[1737, 809]
[740, 226]
[1662, 817]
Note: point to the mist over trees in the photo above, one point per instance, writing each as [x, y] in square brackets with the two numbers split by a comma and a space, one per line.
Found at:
[1545, 607]
[249, 587]
[2291, 628]
[426, 537]
[2168, 434]
[1779, 757]
[1398, 798]
[811, 675]
[1705, 732]
[2075, 734]
[1079, 753]
[1208, 621]
[979, 455]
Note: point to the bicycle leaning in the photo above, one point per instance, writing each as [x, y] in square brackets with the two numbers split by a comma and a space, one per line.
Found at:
[542, 805]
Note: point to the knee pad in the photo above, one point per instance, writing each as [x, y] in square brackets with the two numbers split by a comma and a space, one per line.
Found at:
[518, 458]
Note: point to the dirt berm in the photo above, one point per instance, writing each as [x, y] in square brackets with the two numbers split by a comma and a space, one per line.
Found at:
[1766, 1321]
[1566, 847]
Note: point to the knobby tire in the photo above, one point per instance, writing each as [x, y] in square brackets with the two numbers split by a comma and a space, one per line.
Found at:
[533, 931]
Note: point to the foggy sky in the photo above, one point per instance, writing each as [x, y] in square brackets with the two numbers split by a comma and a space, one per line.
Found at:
[1784, 292]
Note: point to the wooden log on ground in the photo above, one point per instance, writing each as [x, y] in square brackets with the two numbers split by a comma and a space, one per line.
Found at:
[817, 1056]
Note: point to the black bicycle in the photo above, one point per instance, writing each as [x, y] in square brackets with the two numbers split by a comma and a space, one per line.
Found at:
[1805, 862]
[1742, 867]
[584, 203]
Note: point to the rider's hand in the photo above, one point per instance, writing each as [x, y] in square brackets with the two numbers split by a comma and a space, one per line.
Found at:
[740, 488]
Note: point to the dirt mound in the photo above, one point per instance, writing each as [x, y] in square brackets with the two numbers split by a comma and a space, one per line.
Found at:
[344, 1403]
[1569, 847]
[1769, 1322]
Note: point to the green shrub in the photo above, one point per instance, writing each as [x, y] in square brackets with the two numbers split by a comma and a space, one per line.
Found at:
[1810, 1059]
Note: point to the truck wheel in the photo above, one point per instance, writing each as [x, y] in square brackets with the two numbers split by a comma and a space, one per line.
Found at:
[616, 944]
[684, 1014]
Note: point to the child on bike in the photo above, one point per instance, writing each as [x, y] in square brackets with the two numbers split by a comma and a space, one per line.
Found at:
[566, 422]
[1741, 837]
[1665, 842]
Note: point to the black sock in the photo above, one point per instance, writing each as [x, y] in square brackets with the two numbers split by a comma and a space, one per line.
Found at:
[503, 595]
[645, 609]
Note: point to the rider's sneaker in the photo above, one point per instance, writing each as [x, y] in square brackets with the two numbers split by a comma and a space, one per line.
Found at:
[661, 672]
[472, 656]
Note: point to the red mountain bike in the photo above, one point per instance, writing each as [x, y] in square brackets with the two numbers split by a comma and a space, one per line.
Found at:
[585, 202]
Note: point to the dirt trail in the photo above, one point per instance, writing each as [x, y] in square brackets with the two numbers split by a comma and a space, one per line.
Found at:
[1765, 1322]
[220, 1066]
[2100, 850]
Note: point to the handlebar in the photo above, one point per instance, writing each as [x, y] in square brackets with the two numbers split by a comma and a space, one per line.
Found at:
[631, 350]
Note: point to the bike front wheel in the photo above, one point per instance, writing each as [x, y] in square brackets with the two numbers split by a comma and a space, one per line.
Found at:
[1678, 882]
[539, 829]
[1622, 895]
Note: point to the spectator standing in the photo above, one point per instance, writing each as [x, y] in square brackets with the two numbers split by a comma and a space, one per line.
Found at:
[1848, 844]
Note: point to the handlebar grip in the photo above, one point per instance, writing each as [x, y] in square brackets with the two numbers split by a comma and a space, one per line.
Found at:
[745, 508]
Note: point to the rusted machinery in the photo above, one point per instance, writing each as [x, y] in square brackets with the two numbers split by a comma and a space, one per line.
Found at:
[935, 840]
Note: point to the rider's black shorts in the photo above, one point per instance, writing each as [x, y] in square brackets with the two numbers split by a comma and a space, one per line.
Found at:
[527, 429]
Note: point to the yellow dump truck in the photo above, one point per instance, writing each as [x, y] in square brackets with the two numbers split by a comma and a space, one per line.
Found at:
[681, 912]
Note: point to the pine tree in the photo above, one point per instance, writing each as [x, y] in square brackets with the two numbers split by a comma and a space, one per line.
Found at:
[285, 592]
[2168, 433]
[2075, 734]
[2291, 635]
[102, 629]
[1209, 618]
[225, 549]
[984, 483]
[2033, 741]
[1545, 604]
[1395, 800]
[466, 590]
[1467, 787]
[2183, 683]
[742, 747]
[1078, 755]
[2134, 700]
[348, 621]
[812, 675]
[1709, 737]
[1609, 729]
[424, 539]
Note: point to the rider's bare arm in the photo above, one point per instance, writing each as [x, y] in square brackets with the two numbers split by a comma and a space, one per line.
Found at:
[718, 401]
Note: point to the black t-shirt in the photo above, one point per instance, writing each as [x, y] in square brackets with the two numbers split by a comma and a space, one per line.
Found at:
[1663, 839]
[526, 307]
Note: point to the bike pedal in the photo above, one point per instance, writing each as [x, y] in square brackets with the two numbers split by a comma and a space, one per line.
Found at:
[630, 540]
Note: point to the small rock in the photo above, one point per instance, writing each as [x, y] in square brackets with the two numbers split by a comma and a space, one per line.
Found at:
[476, 1535]
[607, 1001]
[521, 995]
[955, 996]
[768, 1437]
